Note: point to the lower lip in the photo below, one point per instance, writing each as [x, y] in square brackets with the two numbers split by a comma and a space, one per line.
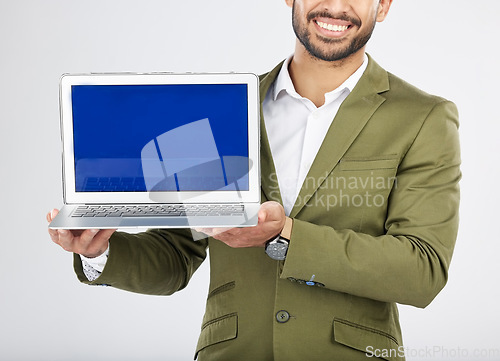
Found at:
[331, 34]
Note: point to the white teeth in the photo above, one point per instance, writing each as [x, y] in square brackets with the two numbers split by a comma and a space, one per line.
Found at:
[332, 27]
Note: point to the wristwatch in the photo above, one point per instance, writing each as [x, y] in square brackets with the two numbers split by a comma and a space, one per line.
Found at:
[277, 247]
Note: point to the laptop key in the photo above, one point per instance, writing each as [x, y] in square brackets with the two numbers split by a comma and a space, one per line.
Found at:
[115, 214]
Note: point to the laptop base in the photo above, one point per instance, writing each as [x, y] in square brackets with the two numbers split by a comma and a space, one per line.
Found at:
[64, 220]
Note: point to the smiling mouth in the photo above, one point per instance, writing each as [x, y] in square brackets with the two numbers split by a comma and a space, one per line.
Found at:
[332, 27]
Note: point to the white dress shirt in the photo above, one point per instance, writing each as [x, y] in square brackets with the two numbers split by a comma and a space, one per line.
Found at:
[295, 129]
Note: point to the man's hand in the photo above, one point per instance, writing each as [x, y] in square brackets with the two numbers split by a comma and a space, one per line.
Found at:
[271, 221]
[89, 243]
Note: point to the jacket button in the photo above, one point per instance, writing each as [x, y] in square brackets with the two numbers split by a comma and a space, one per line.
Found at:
[282, 316]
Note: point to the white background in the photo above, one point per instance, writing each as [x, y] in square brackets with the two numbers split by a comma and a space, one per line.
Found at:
[446, 47]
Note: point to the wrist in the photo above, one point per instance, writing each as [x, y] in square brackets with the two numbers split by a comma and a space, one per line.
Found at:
[277, 247]
[98, 256]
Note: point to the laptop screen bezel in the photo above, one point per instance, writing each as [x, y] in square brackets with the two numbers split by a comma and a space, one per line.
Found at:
[71, 196]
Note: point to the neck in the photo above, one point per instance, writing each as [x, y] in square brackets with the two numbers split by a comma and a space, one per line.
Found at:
[313, 77]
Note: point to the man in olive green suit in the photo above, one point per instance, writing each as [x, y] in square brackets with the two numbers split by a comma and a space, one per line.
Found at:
[373, 223]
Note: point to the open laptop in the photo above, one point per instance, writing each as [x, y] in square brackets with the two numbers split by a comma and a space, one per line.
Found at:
[159, 150]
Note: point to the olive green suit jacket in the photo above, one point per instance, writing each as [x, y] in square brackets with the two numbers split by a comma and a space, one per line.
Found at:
[375, 224]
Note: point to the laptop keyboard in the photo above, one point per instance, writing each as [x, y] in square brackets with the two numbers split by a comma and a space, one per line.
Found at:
[159, 210]
[111, 184]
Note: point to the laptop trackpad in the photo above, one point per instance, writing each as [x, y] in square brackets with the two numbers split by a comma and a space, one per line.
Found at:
[187, 222]
[152, 222]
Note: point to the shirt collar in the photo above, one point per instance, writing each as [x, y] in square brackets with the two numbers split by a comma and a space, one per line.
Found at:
[284, 82]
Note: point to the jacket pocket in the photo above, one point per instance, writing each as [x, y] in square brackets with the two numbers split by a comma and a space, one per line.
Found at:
[373, 163]
[221, 329]
[371, 341]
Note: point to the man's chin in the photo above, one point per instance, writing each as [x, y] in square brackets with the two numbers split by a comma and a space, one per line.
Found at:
[329, 57]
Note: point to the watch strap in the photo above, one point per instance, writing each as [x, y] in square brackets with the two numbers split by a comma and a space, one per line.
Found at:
[286, 232]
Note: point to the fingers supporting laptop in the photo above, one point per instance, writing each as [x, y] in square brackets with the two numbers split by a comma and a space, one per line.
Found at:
[271, 222]
[89, 243]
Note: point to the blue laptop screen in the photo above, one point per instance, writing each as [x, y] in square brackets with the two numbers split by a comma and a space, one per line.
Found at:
[139, 138]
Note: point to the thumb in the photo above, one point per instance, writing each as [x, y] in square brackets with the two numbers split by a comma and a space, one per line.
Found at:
[263, 214]
[51, 215]
[270, 211]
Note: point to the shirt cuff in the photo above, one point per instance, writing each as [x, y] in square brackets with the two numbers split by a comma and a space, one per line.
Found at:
[93, 267]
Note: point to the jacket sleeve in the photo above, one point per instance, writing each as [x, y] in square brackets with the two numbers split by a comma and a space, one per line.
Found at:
[156, 262]
[409, 263]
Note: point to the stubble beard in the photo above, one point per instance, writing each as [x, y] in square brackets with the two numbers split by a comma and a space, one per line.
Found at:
[333, 49]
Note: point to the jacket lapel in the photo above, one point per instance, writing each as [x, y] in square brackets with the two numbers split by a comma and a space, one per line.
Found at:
[269, 181]
[351, 118]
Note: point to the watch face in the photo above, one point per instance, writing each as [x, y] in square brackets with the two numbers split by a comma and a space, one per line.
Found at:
[277, 250]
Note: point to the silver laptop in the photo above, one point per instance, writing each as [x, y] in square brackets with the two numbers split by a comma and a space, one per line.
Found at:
[159, 150]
